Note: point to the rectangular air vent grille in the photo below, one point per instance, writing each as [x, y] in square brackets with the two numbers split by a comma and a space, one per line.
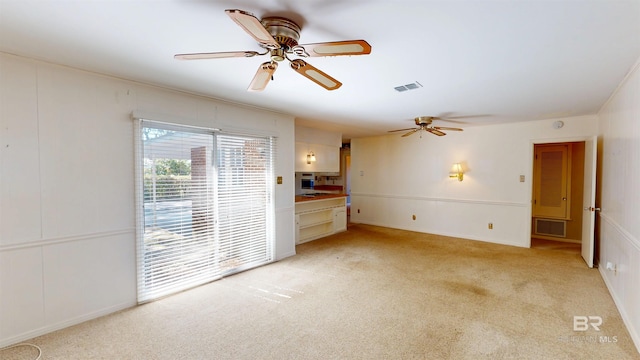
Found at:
[557, 228]
[412, 86]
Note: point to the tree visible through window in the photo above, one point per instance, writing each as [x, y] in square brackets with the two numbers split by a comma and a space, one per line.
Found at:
[207, 207]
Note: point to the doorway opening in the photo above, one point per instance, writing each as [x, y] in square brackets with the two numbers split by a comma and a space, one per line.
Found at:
[345, 164]
[558, 187]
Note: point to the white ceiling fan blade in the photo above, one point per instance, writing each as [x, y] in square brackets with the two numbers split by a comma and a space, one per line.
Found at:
[315, 75]
[263, 76]
[337, 48]
[447, 128]
[215, 55]
[435, 131]
[411, 132]
[253, 27]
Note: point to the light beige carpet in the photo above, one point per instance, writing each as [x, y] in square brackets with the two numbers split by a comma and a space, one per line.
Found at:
[370, 293]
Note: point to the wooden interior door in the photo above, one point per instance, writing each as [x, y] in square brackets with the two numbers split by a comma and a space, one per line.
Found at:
[552, 181]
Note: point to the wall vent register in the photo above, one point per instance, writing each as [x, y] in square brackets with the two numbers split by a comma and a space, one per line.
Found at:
[557, 228]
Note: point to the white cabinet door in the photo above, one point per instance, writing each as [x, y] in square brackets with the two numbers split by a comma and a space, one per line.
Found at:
[340, 219]
[327, 158]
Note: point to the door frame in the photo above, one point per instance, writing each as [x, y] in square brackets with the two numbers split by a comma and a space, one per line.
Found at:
[586, 190]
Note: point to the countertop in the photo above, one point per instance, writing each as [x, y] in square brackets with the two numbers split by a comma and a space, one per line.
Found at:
[300, 198]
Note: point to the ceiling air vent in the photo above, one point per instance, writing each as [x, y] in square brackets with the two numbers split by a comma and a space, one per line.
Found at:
[412, 86]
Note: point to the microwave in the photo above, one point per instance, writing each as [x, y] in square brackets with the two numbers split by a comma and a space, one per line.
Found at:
[306, 181]
[306, 184]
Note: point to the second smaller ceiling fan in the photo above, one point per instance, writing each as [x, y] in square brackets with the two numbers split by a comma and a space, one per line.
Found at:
[424, 123]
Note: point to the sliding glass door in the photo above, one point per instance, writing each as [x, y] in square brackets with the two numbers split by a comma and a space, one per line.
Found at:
[205, 206]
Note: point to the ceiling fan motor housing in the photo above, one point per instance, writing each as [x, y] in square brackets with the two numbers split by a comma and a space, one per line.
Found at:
[424, 120]
[284, 31]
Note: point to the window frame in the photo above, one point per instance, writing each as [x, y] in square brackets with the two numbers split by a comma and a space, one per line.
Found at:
[262, 179]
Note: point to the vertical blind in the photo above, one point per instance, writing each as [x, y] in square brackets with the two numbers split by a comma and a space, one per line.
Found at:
[205, 206]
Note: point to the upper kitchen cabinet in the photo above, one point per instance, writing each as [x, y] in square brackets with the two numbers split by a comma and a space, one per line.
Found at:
[324, 145]
[327, 158]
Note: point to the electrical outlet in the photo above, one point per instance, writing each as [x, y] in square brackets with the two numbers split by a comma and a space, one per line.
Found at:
[413, 217]
[521, 178]
[279, 180]
[490, 226]
[358, 211]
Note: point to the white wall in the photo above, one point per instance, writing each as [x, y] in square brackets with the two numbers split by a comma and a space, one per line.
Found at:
[620, 199]
[309, 135]
[67, 217]
[394, 178]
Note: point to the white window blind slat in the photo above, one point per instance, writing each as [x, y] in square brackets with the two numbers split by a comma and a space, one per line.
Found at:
[206, 206]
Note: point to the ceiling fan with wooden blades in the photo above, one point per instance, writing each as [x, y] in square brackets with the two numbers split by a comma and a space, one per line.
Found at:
[424, 124]
[279, 36]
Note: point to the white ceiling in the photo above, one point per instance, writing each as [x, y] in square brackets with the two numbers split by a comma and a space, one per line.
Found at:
[494, 61]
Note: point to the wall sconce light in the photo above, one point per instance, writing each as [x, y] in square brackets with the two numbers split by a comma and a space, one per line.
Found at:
[311, 157]
[456, 172]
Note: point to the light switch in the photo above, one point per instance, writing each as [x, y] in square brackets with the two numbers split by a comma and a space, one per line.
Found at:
[521, 178]
[279, 180]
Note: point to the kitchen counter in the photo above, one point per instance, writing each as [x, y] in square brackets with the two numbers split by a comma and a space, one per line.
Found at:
[320, 216]
[304, 198]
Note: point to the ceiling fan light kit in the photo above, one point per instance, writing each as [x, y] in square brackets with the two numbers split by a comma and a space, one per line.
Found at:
[262, 77]
[279, 36]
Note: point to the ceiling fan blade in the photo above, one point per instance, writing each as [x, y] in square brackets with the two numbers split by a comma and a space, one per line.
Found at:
[263, 76]
[216, 55]
[435, 131]
[447, 128]
[315, 75]
[448, 116]
[411, 132]
[457, 119]
[401, 129]
[253, 27]
[336, 48]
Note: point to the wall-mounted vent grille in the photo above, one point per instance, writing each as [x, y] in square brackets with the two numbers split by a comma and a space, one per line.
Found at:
[557, 228]
[412, 86]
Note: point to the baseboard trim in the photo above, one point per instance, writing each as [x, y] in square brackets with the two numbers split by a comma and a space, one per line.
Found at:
[284, 256]
[65, 324]
[553, 238]
[458, 236]
[625, 317]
